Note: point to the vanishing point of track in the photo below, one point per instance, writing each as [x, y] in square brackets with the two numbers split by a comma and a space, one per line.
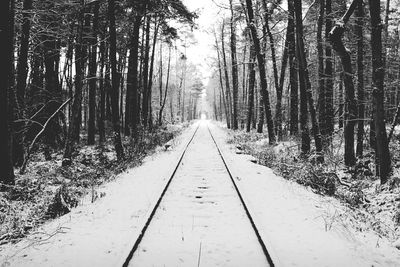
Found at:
[164, 191]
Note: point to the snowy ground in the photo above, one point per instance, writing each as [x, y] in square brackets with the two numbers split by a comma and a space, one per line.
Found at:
[299, 227]
[201, 219]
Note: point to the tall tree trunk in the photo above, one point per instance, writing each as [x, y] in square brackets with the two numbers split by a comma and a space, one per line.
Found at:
[305, 135]
[166, 89]
[22, 74]
[102, 95]
[145, 99]
[351, 108]
[235, 77]
[224, 99]
[6, 55]
[227, 85]
[114, 76]
[278, 113]
[262, 72]
[75, 123]
[252, 81]
[132, 112]
[93, 75]
[329, 111]
[261, 115]
[383, 161]
[150, 76]
[294, 89]
[360, 78]
[321, 74]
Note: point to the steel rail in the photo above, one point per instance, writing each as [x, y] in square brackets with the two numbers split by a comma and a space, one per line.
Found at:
[142, 232]
[262, 244]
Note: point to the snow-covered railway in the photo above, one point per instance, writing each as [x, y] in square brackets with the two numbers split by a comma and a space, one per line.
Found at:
[200, 219]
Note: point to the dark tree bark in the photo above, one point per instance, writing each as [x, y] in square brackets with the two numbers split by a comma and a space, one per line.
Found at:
[224, 99]
[75, 123]
[304, 130]
[52, 90]
[6, 55]
[294, 89]
[22, 74]
[329, 110]
[383, 161]
[93, 75]
[262, 72]
[278, 88]
[132, 112]
[321, 74]
[235, 79]
[336, 36]
[306, 92]
[227, 85]
[115, 83]
[145, 99]
[150, 83]
[360, 78]
[252, 81]
[102, 93]
[261, 115]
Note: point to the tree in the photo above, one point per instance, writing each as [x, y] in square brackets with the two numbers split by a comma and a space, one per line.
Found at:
[383, 161]
[93, 75]
[360, 78]
[6, 34]
[294, 90]
[262, 73]
[22, 75]
[115, 82]
[75, 124]
[235, 81]
[351, 108]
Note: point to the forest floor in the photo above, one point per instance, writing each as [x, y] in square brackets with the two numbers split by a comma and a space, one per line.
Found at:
[48, 190]
[369, 205]
[301, 226]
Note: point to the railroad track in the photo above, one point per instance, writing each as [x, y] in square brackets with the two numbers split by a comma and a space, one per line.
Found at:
[220, 195]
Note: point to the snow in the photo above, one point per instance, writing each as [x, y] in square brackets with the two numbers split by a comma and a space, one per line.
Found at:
[102, 233]
[201, 217]
[299, 227]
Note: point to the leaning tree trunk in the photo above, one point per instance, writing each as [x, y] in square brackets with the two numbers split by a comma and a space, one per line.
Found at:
[262, 72]
[6, 35]
[160, 115]
[114, 78]
[336, 36]
[278, 88]
[383, 161]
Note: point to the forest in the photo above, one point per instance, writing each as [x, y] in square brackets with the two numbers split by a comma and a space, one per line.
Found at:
[90, 87]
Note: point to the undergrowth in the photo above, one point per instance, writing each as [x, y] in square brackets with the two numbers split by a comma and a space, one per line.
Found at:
[375, 206]
[48, 190]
